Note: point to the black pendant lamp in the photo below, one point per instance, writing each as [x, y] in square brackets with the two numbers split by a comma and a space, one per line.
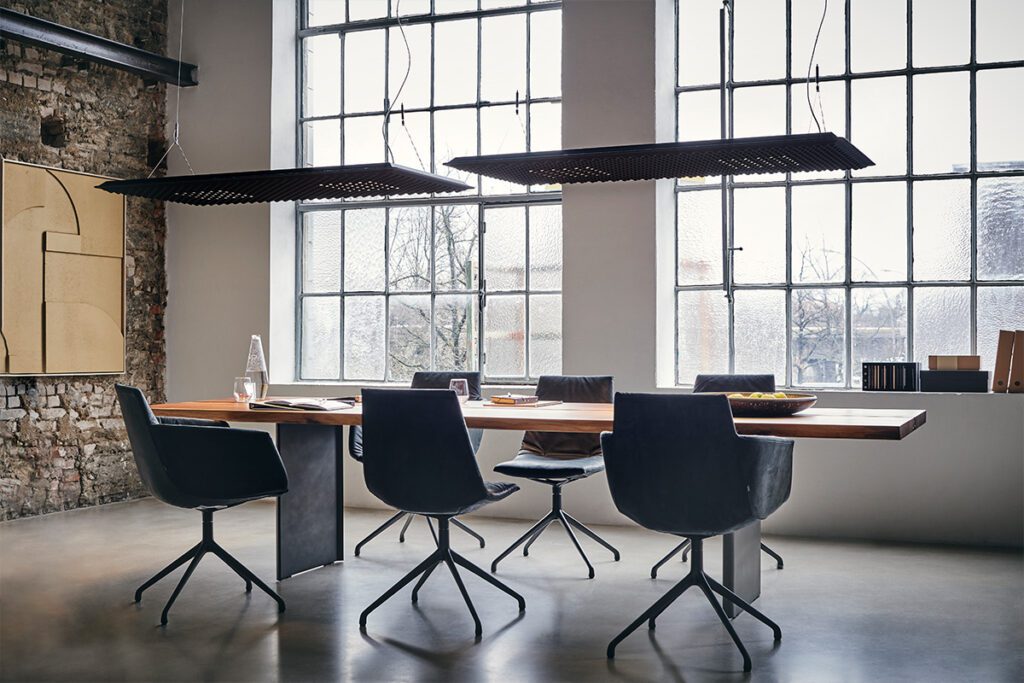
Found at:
[290, 184]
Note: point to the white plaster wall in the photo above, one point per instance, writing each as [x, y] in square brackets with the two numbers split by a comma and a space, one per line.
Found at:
[960, 479]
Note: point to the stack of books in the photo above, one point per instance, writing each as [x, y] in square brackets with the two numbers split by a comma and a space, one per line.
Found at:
[954, 373]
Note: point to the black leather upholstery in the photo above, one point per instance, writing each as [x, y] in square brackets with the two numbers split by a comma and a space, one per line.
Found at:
[199, 463]
[739, 383]
[562, 455]
[428, 380]
[418, 456]
[675, 464]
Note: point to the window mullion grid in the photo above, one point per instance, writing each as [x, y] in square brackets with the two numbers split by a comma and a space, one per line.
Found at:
[481, 299]
[387, 294]
[974, 177]
[526, 296]
[909, 353]
[728, 204]
[433, 290]
[341, 299]
[848, 209]
[788, 199]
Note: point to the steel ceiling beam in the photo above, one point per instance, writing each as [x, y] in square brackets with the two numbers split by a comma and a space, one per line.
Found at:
[46, 34]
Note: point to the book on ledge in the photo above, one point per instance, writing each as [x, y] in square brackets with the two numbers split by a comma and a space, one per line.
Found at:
[326, 404]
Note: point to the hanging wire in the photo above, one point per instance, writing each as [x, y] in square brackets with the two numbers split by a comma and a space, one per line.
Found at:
[389, 155]
[810, 63]
[177, 105]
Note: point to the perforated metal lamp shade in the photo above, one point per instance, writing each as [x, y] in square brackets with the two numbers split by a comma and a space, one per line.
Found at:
[735, 156]
[291, 184]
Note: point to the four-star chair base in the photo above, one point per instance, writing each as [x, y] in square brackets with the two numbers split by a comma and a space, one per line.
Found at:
[685, 548]
[696, 577]
[196, 553]
[443, 555]
[397, 517]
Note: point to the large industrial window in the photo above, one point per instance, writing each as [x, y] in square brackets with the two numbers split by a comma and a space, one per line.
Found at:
[460, 281]
[921, 254]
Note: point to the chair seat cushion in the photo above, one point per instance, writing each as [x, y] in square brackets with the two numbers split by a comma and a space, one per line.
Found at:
[532, 466]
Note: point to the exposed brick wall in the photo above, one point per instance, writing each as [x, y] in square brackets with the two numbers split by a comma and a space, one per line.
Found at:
[62, 441]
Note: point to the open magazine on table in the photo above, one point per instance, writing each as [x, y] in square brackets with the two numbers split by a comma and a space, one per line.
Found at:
[303, 403]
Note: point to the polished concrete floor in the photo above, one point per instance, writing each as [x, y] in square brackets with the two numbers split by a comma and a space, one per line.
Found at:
[849, 611]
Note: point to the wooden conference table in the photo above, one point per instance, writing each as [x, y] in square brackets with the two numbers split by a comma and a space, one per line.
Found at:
[310, 515]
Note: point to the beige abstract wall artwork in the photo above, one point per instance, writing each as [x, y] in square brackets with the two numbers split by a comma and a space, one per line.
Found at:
[61, 273]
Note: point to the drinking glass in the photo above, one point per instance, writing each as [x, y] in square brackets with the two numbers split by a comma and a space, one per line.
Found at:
[461, 389]
[244, 388]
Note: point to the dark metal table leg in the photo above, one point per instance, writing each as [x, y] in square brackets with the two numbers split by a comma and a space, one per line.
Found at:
[741, 565]
[309, 516]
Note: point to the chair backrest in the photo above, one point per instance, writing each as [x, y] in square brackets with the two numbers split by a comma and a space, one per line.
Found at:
[417, 455]
[740, 383]
[675, 464]
[428, 380]
[569, 389]
[138, 419]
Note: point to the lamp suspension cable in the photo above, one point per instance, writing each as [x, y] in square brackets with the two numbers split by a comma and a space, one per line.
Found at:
[177, 105]
[388, 154]
[817, 85]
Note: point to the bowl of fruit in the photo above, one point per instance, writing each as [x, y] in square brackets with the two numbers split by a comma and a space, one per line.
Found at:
[769, 404]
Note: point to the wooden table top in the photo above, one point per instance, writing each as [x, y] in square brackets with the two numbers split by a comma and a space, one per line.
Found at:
[820, 423]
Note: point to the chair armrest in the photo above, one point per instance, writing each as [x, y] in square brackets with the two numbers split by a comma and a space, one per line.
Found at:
[221, 462]
[191, 422]
[770, 472]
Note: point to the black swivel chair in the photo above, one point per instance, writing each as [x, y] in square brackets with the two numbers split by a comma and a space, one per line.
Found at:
[676, 465]
[718, 383]
[556, 458]
[202, 465]
[421, 380]
[418, 456]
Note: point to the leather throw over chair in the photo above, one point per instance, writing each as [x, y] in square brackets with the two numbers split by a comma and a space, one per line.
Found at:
[421, 380]
[676, 465]
[418, 456]
[202, 465]
[557, 458]
[726, 383]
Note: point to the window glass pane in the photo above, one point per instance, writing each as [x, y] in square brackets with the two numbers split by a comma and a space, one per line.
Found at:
[703, 334]
[505, 248]
[504, 335]
[879, 232]
[942, 322]
[322, 142]
[364, 250]
[456, 247]
[546, 54]
[942, 230]
[321, 251]
[942, 123]
[760, 332]
[502, 58]
[491, 4]
[759, 42]
[323, 75]
[410, 140]
[878, 319]
[455, 62]
[999, 308]
[1000, 142]
[830, 56]
[364, 71]
[759, 111]
[451, 6]
[879, 124]
[1001, 229]
[698, 42]
[323, 12]
[408, 8]
[819, 234]
[545, 335]
[1000, 26]
[942, 32]
[408, 336]
[367, 9]
[545, 126]
[878, 35]
[502, 131]
[321, 337]
[454, 136]
[759, 227]
[364, 337]
[455, 331]
[545, 247]
[818, 337]
[364, 141]
[699, 238]
[829, 102]
[698, 114]
[409, 256]
[416, 91]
